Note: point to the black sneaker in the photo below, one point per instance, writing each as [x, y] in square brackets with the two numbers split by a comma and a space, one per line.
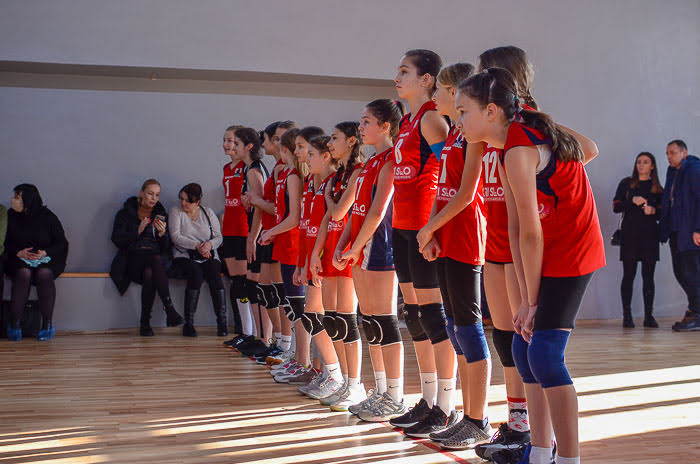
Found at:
[690, 323]
[435, 421]
[414, 415]
[272, 350]
[503, 439]
[255, 346]
[234, 340]
[520, 455]
[238, 341]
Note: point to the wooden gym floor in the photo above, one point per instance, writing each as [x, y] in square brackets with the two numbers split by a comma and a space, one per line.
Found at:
[119, 398]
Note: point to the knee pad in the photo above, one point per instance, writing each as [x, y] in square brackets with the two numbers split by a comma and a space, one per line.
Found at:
[348, 327]
[272, 299]
[450, 327]
[519, 350]
[546, 357]
[313, 323]
[330, 326]
[251, 291]
[295, 309]
[432, 319]
[413, 323]
[260, 297]
[369, 325]
[281, 294]
[472, 340]
[238, 287]
[387, 329]
[503, 342]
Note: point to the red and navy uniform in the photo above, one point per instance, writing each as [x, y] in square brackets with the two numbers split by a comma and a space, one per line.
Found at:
[235, 217]
[415, 174]
[462, 238]
[286, 249]
[377, 253]
[497, 244]
[317, 210]
[573, 243]
[306, 197]
[268, 220]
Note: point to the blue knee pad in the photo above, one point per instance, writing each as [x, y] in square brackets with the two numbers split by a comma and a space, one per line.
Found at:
[472, 340]
[546, 357]
[519, 349]
[450, 325]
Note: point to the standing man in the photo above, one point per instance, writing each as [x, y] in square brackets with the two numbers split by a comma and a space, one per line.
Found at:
[680, 223]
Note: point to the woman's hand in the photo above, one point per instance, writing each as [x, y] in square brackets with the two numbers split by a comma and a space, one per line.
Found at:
[296, 277]
[204, 249]
[337, 263]
[639, 201]
[425, 235]
[143, 224]
[524, 321]
[26, 254]
[160, 227]
[432, 250]
[250, 248]
[649, 210]
[266, 237]
[350, 258]
[254, 198]
[245, 200]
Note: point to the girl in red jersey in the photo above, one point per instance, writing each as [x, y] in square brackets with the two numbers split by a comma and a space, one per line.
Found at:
[367, 238]
[554, 236]
[337, 286]
[421, 137]
[285, 234]
[456, 234]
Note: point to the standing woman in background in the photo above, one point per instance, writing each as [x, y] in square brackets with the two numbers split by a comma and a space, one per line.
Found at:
[638, 199]
[36, 254]
[3, 233]
[141, 233]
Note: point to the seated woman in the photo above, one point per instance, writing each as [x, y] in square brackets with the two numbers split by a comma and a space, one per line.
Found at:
[196, 234]
[36, 254]
[140, 232]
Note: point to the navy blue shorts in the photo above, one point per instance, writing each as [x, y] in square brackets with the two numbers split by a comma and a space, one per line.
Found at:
[289, 288]
[378, 254]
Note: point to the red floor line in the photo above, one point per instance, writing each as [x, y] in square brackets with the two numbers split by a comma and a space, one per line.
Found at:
[429, 444]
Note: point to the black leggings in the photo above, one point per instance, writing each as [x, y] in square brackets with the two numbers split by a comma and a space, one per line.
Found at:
[629, 271]
[148, 270]
[45, 288]
[196, 273]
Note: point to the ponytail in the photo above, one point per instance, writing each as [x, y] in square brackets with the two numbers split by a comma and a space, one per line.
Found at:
[343, 174]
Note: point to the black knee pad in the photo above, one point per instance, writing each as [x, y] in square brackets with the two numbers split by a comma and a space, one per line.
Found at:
[260, 297]
[503, 342]
[347, 326]
[295, 309]
[281, 294]
[251, 291]
[413, 323]
[434, 322]
[313, 323]
[369, 325]
[272, 299]
[238, 287]
[330, 326]
[387, 329]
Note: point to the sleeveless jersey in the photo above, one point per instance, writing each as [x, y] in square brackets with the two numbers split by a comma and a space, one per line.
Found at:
[286, 249]
[268, 220]
[573, 243]
[257, 164]
[235, 217]
[497, 244]
[365, 191]
[462, 238]
[306, 196]
[317, 210]
[415, 174]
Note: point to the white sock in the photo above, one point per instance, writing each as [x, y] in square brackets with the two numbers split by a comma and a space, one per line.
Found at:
[345, 378]
[353, 382]
[540, 455]
[246, 313]
[576, 460]
[285, 342]
[277, 336]
[446, 395]
[380, 382]
[395, 389]
[333, 371]
[428, 386]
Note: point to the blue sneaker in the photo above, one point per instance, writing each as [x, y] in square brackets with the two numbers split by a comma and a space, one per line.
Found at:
[14, 335]
[47, 334]
[519, 455]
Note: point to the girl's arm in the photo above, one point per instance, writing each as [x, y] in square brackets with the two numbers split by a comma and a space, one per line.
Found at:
[340, 209]
[590, 149]
[315, 257]
[292, 219]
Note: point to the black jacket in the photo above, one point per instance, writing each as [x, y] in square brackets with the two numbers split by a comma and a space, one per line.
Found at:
[125, 236]
[43, 231]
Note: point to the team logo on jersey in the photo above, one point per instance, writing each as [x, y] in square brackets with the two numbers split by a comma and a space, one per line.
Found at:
[458, 143]
[312, 231]
[404, 173]
[545, 207]
[304, 224]
[446, 193]
[359, 210]
[232, 202]
[335, 226]
[494, 194]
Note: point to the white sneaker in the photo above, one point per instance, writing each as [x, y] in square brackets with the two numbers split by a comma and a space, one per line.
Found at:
[283, 377]
[282, 367]
[327, 401]
[372, 396]
[313, 385]
[352, 396]
[327, 387]
[281, 358]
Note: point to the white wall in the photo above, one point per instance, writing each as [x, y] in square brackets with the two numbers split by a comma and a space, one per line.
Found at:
[624, 73]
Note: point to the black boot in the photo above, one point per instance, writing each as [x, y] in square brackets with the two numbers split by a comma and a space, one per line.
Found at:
[191, 299]
[237, 324]
[218, 299]
[627, 321]
[172, 318]
[649, 320]
[145, 329]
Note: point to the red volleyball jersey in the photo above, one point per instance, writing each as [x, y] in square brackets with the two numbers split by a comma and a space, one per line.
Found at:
[497, 245]
[235, 217]
[573, 243]
[462, 238]
[269, 220]
[415, 174]
[286, 249]
[365, 190]
[306, 197]
[317, 210]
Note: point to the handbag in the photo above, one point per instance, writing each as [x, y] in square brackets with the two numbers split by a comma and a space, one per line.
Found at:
[195, 255]
[616, 239]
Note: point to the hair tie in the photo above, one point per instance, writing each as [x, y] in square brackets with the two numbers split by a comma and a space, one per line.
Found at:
[397, 103]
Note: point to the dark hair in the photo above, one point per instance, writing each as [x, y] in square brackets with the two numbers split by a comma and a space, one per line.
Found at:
[681, 144]
[269, 130]
[309, 132]
[426, 62]
[288, 139]
[31, 198]
[515, 61]
[286, 125]
[455, 73]
[193, 192]
[390, 111]
[497, 86]
[654, 175]
[344, 172]
[320, 143]
[248, 135]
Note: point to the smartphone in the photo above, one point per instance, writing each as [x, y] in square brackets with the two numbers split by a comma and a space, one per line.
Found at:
[160, 218]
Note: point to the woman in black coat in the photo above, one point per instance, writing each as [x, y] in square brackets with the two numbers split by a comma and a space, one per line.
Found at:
[36, 249]
[638, 198]
[141, 234]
